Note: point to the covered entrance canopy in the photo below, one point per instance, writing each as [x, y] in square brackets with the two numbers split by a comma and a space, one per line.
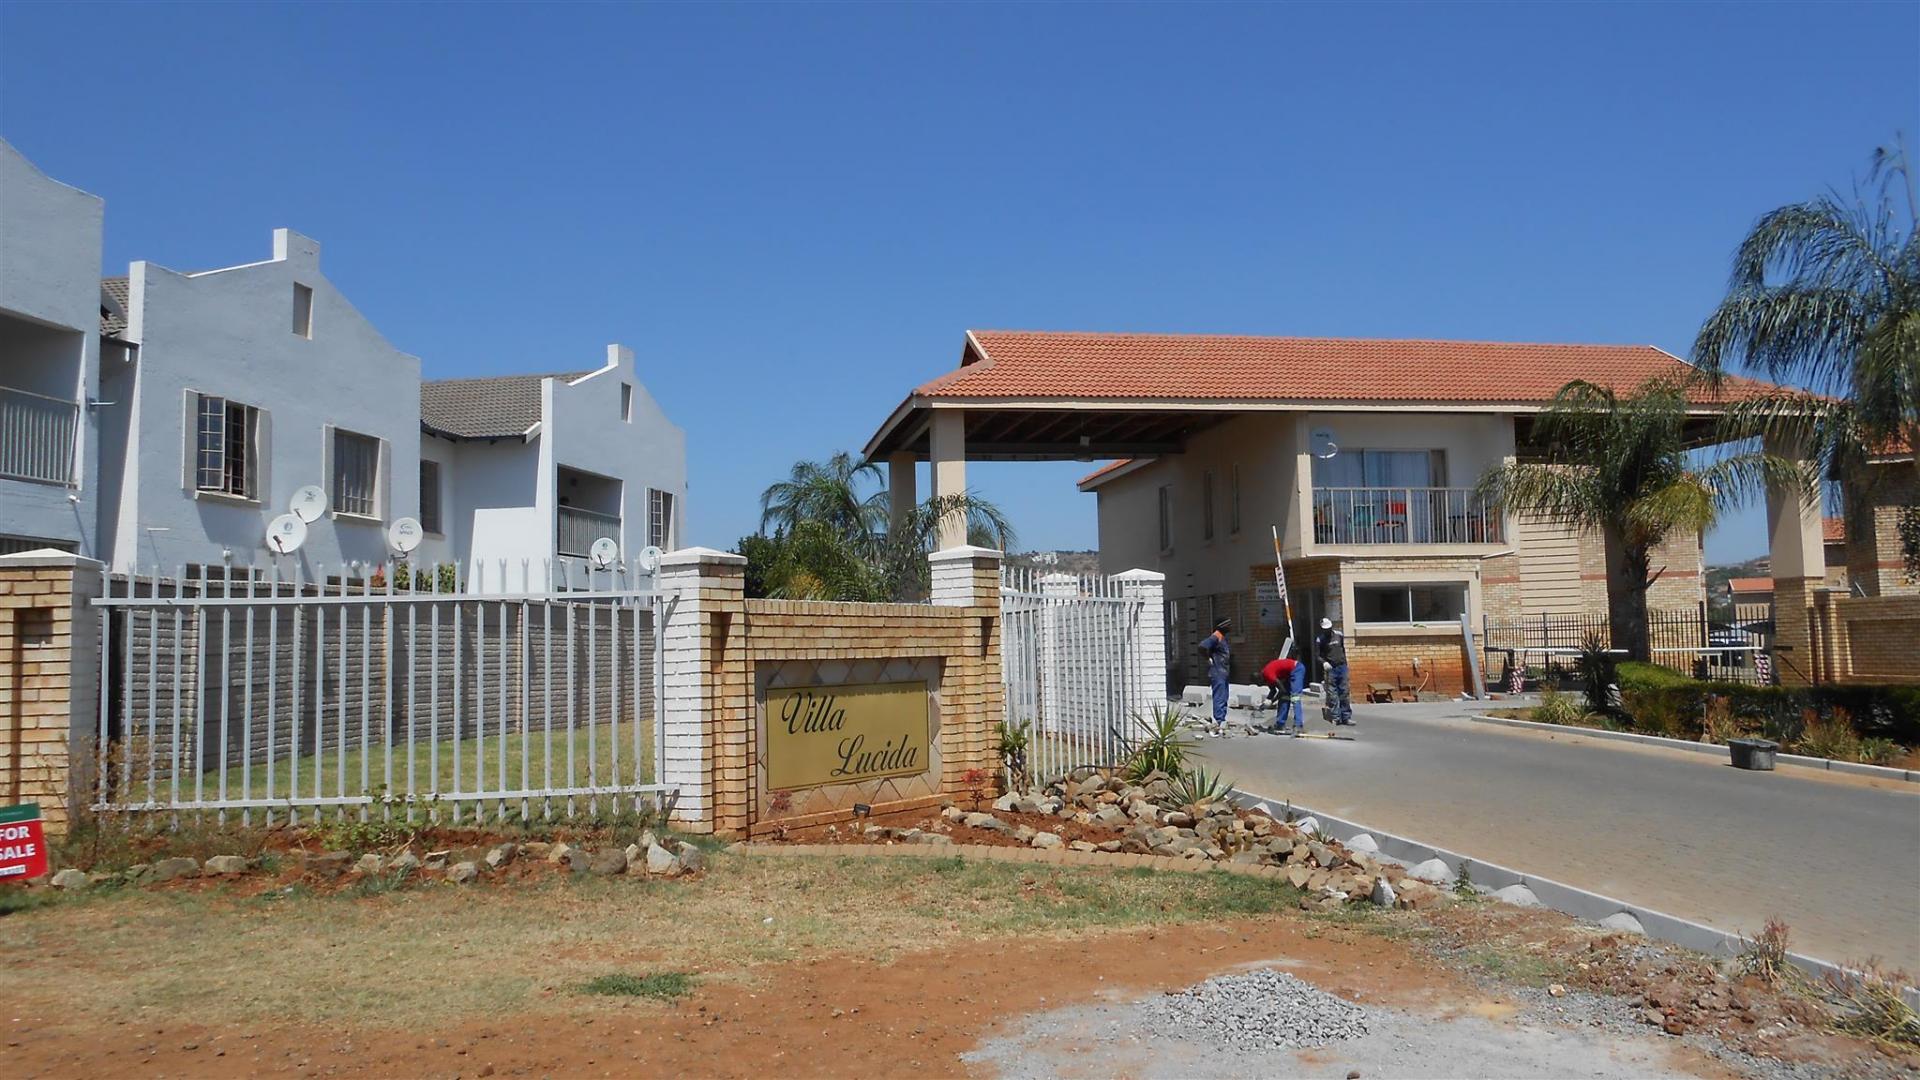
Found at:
[1045, 396]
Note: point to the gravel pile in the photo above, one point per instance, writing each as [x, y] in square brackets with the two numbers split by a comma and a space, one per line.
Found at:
[1259, 1009]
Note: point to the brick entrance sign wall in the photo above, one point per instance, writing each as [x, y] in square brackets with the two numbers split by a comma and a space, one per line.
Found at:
[725, 654]
[49, 678]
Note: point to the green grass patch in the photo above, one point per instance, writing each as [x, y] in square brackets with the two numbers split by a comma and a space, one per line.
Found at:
[660, 986]
[14, 900]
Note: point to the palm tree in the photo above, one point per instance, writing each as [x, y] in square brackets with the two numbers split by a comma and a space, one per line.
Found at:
[830, 540]
[1826, 294]
[828, 493]
[1617, 464]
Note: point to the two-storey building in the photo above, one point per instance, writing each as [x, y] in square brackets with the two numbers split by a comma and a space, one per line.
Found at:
[1360, 456]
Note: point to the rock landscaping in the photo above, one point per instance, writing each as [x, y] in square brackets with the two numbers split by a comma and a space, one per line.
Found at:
[1097, 810]
[1264, 1009]
[649, 854]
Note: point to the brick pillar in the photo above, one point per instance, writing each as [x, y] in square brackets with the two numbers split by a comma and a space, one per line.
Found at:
[972, 695]
[1832, 644]
[1798, 553]
[49, 681]
[704, 703]
[1796, 654]
[1149, 644]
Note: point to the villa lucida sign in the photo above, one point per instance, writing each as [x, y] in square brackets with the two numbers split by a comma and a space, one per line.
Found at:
[823, 735]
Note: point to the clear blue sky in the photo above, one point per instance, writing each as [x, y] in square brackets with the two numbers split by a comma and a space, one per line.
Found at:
[793, 212]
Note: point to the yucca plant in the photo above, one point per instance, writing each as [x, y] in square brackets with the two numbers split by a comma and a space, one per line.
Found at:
[1157, 748]
[1198, 787]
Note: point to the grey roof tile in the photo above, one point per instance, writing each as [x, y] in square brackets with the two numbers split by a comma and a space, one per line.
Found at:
[492, 407]
[114, 323]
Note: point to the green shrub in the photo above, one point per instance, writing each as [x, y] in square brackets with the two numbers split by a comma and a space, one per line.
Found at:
[1558, 708]
[1640, 675]
[1159, 748]
[1599, 672]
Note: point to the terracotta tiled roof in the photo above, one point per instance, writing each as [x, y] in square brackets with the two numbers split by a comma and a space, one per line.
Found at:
[1104, 470]
[1750, 584]
[1833, 530]
[495, 407]
[1208, 367]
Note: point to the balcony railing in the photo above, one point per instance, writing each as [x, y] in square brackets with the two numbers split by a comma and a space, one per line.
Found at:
[580, 528]
[36, 437]
[1402, 515]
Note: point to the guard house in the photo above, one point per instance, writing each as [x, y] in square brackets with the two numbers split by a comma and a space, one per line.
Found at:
[1362, 454]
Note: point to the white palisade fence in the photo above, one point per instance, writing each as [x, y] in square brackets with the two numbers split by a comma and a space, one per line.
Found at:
[1081, 664]
[523, 692]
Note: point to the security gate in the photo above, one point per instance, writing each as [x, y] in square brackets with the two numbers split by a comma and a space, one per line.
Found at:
[380, 692]
[1071, 657]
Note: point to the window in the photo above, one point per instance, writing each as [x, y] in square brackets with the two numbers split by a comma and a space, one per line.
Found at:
[1166, 518]
[302, 310]
[1416, 602]
[1206, 505]
[226, 455]
[626, 402]
[660, 518]
[356, 471]
[1233, 501]
[430, 495]
[1382, 469]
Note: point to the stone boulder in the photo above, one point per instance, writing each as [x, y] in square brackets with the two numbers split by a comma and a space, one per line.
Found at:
[661, 862]
[71, 878]
[462, 873]
[178, 867]
[225, 865]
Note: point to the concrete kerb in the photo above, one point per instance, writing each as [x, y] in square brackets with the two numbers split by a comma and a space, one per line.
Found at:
[1797, 761]
[1587, 906]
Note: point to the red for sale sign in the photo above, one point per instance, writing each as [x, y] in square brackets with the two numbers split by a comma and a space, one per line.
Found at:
[23, 843]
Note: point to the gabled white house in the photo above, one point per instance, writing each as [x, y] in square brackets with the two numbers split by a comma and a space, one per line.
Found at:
[518, 471]
[50, 315]
[245, 385]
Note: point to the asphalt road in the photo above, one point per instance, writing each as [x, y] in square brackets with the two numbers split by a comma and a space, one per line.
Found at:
[1837, 858]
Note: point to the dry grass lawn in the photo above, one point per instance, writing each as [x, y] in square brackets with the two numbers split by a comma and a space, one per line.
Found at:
[433, 952]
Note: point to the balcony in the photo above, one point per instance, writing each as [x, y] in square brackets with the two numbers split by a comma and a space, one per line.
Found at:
[36, 437]
[580, 528]
[1402, 515]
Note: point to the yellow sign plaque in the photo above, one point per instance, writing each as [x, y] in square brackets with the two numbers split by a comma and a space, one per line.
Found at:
[821, 735]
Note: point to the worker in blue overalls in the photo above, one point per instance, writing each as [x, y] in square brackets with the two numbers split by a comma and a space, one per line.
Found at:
[1219, 667]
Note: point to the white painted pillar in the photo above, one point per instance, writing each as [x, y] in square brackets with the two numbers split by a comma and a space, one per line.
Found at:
[947, 443]
[1149, 644]
[700, 588]
[902, 488]
[965, 576]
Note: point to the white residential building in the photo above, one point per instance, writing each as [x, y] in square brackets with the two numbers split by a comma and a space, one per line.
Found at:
[518, 470]
[245, 385]
[160, 421]
[50, 314]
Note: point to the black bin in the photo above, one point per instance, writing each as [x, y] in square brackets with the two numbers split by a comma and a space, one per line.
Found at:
[1756, 754]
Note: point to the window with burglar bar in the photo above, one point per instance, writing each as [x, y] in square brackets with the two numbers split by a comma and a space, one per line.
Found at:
[226, 456]
[430, 495]
[659, 518]
[356, 468]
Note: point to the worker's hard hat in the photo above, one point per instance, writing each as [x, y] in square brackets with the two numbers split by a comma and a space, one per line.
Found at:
[1326, 624]
[1223, 624]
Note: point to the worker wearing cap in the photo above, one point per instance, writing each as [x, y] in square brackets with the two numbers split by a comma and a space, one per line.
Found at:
[1286, 679]
[1219, 667]
[1331, 646]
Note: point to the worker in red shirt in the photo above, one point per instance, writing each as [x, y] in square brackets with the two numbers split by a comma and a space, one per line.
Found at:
[1292, 674]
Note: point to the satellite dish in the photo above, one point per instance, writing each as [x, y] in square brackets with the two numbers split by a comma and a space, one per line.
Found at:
[649, 559]
[403, 536]
[1323, 445]
[309, 503]
[285, 534]
[604, 552]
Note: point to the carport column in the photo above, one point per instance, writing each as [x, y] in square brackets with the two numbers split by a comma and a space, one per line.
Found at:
[1799, 566]
[703, 704]
[902, 488]
[947, 446]
[1149, 644]
[971, 691]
